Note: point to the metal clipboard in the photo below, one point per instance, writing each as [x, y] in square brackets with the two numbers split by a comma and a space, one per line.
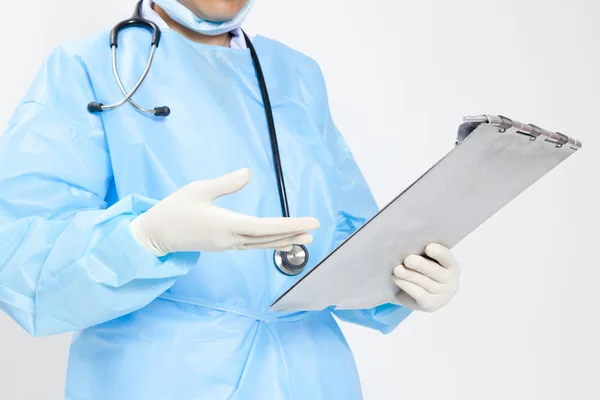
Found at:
[495, 159]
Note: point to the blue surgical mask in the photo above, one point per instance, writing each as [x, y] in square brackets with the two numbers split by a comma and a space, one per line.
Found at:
[183, 15]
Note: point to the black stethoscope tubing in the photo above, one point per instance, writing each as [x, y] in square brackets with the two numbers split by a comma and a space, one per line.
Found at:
[289, 263]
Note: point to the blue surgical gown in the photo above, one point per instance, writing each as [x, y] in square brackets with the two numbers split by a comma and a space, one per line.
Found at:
[184, 326]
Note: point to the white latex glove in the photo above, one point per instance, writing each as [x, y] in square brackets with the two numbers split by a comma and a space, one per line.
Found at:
[427, 284]
[187, 220]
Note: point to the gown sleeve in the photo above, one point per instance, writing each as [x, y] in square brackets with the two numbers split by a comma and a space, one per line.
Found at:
[356, 206]
[67, 261]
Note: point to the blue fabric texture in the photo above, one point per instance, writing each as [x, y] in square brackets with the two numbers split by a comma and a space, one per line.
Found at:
[187, 325]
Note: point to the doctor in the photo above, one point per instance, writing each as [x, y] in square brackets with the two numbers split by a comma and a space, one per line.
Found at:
[148, 236]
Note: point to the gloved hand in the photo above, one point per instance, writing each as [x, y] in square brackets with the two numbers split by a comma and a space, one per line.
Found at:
[187, 220]
[427, 284]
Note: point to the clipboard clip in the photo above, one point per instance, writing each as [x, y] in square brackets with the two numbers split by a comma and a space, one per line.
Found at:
[532, 131]
[560, 141]
[505, 123]
[535, 132]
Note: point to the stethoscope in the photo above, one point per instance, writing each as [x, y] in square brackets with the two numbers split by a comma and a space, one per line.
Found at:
[291, 262]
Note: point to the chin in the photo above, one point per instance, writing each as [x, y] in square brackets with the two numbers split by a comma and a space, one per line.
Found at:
[215, 10]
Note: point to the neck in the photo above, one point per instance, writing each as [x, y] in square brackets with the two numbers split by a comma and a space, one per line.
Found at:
[218, 40]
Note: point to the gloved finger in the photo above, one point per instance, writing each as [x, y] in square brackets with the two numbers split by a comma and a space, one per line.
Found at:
[442, 255]
[247, 239]
[415, 291]
[429, 268]
[254, 226]
[418, 279]
[285, 248]
[227, 184]
[304, 238]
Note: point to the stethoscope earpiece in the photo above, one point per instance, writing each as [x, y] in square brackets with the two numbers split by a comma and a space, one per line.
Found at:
[163, 111]
[95, 107]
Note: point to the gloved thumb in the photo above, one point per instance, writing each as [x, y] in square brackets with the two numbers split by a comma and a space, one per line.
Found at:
[227, 184]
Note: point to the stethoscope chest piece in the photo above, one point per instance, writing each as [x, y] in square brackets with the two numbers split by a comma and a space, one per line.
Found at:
[292, 262]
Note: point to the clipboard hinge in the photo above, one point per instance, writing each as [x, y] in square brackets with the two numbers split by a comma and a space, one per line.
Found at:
[532, 131]
[505, 123]
[535, 132]
[560, 141]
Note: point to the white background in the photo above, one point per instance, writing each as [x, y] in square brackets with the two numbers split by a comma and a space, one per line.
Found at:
[401, 74]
